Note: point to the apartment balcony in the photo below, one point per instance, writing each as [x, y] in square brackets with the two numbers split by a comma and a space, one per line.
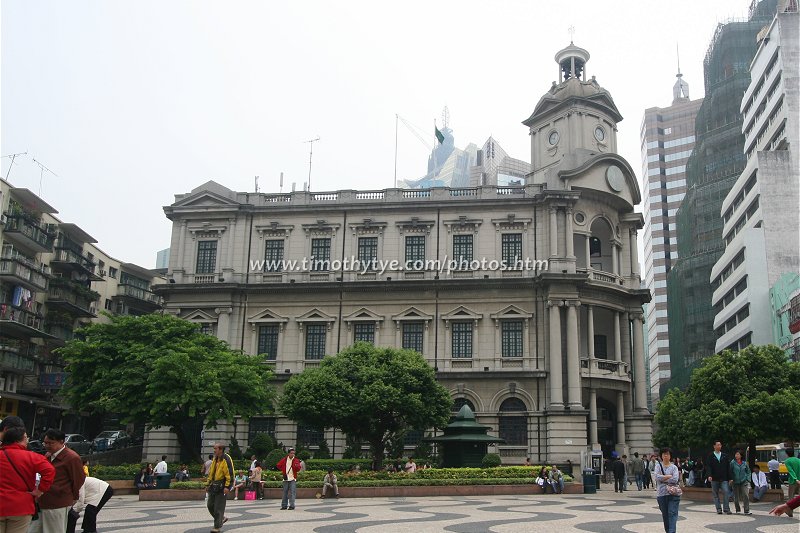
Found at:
[13, 358]
[68, 260]
[604, 369]
[21, 271]
[42, 385]
[20, 323]
[26, 233]
[61, 333]
[138, 298]
[71, 297]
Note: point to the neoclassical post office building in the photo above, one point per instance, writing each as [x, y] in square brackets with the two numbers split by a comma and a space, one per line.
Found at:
[548, 351]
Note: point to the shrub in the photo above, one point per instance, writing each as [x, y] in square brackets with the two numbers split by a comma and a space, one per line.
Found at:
[187, 485]
[323, 452]
[262, 444]
[491, 460]
[304, 454]
[235, 451]
[272, 459]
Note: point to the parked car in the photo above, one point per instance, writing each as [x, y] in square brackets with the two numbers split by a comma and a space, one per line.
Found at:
[78, 443]
[36, 446]
[111, 440]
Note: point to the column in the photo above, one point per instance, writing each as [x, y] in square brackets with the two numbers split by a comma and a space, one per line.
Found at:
[230, 242]
[590, 331]
[620, 418]
[573, 362]
[588, 251]
[593, 439]
[639, 383]
[626, 339]
[634, 254]
[553, 232]
[223, 323]
[568, 233]
[617, 341]
[556, 393]
[614, 262]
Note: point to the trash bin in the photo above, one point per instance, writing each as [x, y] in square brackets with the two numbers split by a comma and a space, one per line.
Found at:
[162, 481]
[588, 482]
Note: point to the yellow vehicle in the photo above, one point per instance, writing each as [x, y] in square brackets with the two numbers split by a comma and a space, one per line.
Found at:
[765, 452]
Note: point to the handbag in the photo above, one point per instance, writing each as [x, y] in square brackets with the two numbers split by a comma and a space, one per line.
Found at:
[250, 495]
[672, 489]
[216, 487]
[35, 515]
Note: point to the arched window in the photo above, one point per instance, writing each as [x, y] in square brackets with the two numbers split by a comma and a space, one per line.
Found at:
[458, 403]
[513, 422]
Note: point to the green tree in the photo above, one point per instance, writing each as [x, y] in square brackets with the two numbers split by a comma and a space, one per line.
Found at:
[324, 451]
[262, 444]
[235, 451]
[371, 394]
[160, 370]
[749, 396]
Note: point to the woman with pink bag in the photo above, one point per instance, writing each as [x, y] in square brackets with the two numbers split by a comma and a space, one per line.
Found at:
[669, 492]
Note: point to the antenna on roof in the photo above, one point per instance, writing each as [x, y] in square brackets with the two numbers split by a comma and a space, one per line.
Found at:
[256, 184]
[281, 181]
[310, 154]
[42, 170]
[12, 156]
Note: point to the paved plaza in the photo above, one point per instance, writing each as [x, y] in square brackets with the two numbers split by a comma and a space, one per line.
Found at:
[602, 512]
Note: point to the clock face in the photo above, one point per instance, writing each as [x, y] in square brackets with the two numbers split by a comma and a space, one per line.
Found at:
[615, 178]
[599, 134]
[553, 138]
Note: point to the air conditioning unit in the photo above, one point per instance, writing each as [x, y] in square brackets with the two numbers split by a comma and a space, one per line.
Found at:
[3, 218]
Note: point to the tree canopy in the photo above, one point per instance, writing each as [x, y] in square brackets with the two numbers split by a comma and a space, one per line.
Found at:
[750, 396]
[371, 394]
[160, 370]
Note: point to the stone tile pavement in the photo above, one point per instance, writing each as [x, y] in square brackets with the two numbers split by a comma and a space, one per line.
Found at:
[602, 512]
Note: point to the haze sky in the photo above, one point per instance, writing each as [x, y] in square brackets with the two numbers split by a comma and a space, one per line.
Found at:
[130, 103]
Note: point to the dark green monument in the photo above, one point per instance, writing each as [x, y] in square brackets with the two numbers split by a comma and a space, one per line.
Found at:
[464, 442]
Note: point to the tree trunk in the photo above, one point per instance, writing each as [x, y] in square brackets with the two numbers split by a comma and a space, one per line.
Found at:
[186, 443]
[377, 448]
[751, 454]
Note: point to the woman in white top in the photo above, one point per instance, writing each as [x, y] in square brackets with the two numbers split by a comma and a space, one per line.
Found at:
[667, 475]
[93, 496]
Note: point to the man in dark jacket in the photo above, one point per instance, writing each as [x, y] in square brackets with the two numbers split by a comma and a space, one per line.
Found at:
[718, 473]
[618, 467]
[64, 491]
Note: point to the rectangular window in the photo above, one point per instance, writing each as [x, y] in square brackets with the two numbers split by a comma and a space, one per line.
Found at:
[207, 328]
[415, 250]
[268, 341]
[308, 436]
[601, 346]
[258, 425]
[112, 272]
[413, 334]
[321, 254]
[108, 305]
[511, 248]
[514, 429]
[273, 255]
[315, 340]
[462, 249]
[462, 340]
[367, 251]
[364, 332]
[206, 257]
[511, 338]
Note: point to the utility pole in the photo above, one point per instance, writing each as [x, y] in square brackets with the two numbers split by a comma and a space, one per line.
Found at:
[310, 154]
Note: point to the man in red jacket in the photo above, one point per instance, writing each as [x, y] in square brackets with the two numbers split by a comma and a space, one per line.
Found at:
[18, 469]
[290, 467]
[55, 504]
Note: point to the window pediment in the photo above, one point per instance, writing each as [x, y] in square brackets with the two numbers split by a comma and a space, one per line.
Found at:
[511, 222]
[273, 230]
[321, 228]
[199, 316]
[511, 312]
[368, 227]
[412, 314]
[315, 316]
[415, 226]
[267, 317]
[463, 224]
[461, 313]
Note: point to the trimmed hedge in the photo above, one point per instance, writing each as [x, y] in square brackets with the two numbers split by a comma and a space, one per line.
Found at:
[187, 485]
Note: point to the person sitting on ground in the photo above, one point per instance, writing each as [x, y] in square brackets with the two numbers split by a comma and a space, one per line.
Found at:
[543, 481]
[239, 482]
[330, 482]
[255, 481]
[151, 475]
[183, 473]
[759, 481]
[142, 480]
[556, 479]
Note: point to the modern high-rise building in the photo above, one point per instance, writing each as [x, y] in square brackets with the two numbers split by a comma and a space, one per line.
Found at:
[761, 213]
[714, 166]
[667, 140]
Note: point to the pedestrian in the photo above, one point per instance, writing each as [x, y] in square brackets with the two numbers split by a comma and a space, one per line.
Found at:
[252, 463]
[607, 472]
[8, 423]
[330, 482]
[740, 482]
[18, 471]
[759, 481]
[787, 507]
[637, 468]
[792, 465]
[667, 479]
[719, 475]
[556, 479]
[290, 467]
[646, 472]
[774, 472]
[207, 465]
[161, 466]
[627, 472]
[218, 484]
[618, 467]
[56, 502]
[411, 466]
[92, 497]
[543, 480]
[86, 466]
[255, 480]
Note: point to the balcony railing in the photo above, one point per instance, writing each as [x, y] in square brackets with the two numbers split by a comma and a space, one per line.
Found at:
[62, 332]
[23, 272]
[124, 289]
[68, 255]
[16, 362]
[603, 368]
[68, 295]
[19, 320]
[18, 224]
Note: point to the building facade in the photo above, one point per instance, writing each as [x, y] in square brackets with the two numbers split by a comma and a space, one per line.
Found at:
[714, 166]
[548, 349]
[761, 213]
[53, 279]
[667, 140]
